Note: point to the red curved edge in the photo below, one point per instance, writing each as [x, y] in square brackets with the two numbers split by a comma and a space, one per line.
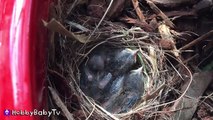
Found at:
[23, 51]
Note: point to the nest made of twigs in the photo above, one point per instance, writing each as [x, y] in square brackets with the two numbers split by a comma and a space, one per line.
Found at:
[67, 54]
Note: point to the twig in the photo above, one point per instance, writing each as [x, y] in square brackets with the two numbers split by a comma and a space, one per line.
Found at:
[109, 114]
[171, 111]
[76, 25]
[178, 99]
[204, 59]
[56, 26]
[191, 58]
[160, 13]
[141, 16]
[55, 72]
[110, 4]
[180, 13]
[152, 95]
[72, 6]
[60, 104]
[97, 107]
[203, 37]
[143, 24]
[138, 10]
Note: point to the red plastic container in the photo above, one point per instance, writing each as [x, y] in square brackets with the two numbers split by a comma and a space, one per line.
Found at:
[23, 51]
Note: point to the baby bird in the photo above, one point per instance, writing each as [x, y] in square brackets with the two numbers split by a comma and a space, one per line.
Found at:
[94, 77]
[93, 84]
[98, 87]
[122, 61]
[96, 62]
[87, 77]
[132, 90]
[87, 74]
[114, 91]
[134, 81]
[104, 80]
[98, 59]
[123, 103]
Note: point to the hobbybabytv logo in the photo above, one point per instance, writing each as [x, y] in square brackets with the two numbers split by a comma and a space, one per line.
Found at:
[7, 112]
[35, 112]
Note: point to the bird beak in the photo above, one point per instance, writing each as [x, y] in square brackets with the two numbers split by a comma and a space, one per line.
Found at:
[132, 51]
[139, 70]
[135, 52]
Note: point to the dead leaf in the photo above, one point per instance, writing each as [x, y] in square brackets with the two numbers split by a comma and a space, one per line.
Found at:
[167, 40]
[166, 44]
[143, 25]
[96, 8]
[138, 10]
[56, 26]
[160, 13]
[116, 8]
[60, 104]
[199, 84]
[173, 3]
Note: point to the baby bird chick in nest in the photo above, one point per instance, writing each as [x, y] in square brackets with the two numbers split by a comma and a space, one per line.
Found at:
[100, 86]
[96, 62]
[114, 91]
[134, 81]
[122, 61]
[93, 84]
[129, 94]
[133, 90]
[104, 80]
[87, 77]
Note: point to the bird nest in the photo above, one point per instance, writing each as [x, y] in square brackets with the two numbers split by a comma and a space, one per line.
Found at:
[74, 36]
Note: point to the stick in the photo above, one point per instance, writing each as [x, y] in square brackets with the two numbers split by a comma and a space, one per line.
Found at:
[160, 13]
[167, 38]
[60, 104]
[203, 37]
[99, 23]
[139, 12]
[153, 94]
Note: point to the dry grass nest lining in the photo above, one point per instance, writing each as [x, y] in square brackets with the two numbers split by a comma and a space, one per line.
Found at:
[163, 77]
[160, 75]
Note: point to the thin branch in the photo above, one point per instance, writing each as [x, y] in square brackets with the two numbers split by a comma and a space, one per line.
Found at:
[203, 37]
